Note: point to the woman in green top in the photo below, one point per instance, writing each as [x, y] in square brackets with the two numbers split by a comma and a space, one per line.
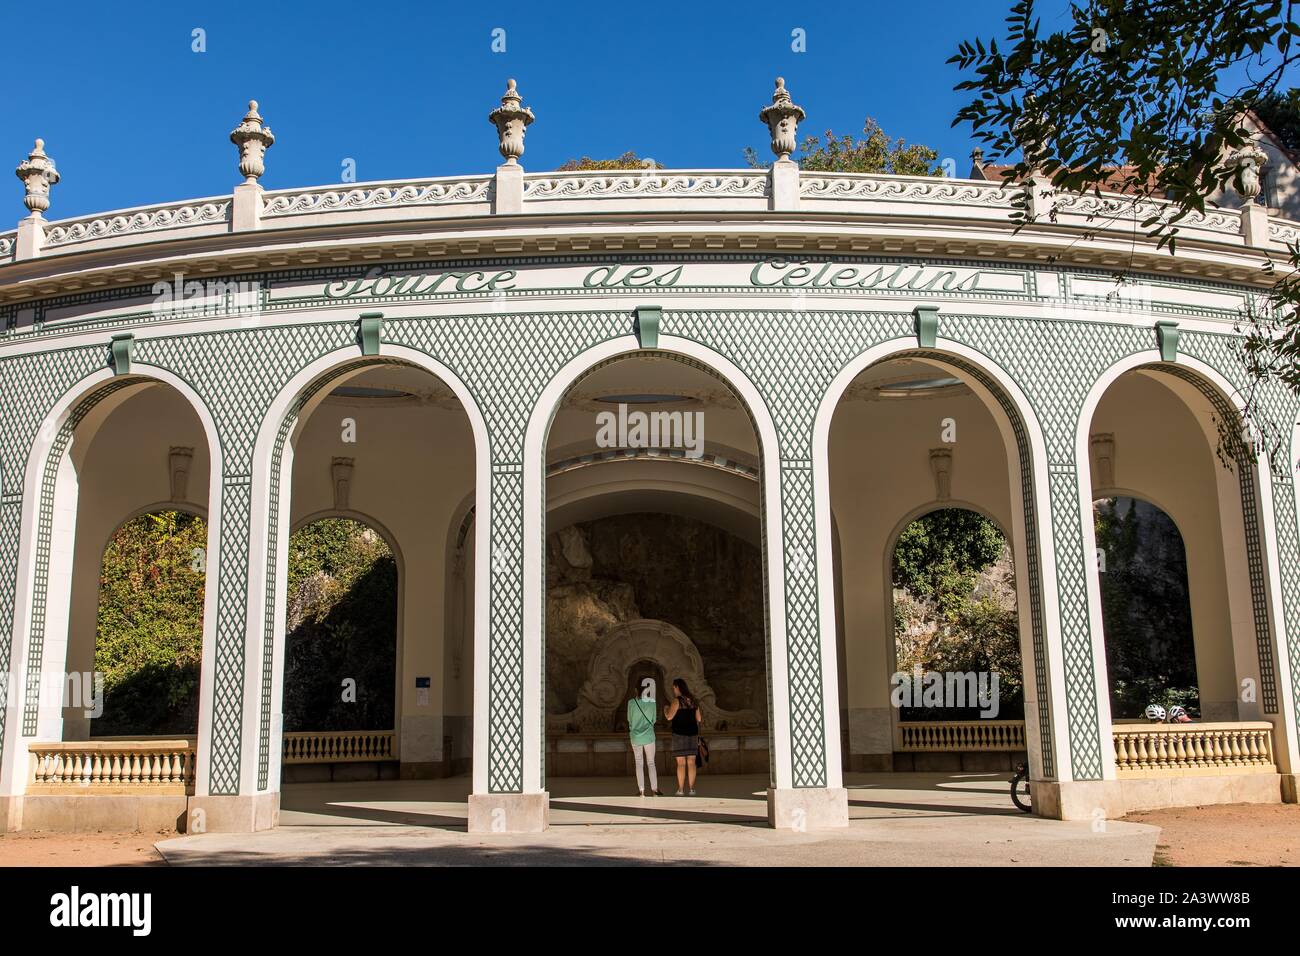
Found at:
[641, 729]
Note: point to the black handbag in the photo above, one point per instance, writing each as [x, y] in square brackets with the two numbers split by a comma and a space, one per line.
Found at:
[702, 753]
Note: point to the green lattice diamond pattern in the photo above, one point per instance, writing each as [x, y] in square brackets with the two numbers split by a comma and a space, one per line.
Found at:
[506, 360]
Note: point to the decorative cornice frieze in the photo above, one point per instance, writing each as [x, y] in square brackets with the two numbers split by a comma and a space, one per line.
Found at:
[933, 190]
[158, 218]
[431, 193]
[701, 210]
[648, 184]
[1284, 232]
[1129, 209]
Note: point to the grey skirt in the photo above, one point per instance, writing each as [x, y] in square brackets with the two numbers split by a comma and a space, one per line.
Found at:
[684, 746]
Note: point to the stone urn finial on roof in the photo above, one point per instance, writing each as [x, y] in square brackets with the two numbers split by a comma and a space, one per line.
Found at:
[38, 174]
[782, 118]
[253, 139]
[1247, 165]
[510, 119]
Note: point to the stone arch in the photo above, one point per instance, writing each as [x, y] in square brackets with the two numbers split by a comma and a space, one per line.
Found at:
[534, 486]
[624, 646]
[1251, 499]
[272, 462]
[48, 486]
[1026, 447]
[725, 497]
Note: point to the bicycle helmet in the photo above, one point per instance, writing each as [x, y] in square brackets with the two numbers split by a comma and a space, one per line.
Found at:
[1178, 715]
[1155, 712]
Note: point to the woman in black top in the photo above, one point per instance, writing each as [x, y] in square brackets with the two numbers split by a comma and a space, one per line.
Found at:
[684, 715]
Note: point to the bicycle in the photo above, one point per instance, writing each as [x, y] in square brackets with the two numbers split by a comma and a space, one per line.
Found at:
[1020, 794]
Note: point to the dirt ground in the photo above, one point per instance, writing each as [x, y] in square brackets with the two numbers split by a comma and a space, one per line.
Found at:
[1239, 834]
[1235, 835]
[37, 848]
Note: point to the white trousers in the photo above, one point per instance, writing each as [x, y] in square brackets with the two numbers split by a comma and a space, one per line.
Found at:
[649, 751]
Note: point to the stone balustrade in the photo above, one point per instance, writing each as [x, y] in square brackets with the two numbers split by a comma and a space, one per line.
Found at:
[155, 766]
[448, 198]
[470, 192]
[957, 736]
[177, 220]
[677, 184]
[344, 746]
[510, 191]
[1208, 749]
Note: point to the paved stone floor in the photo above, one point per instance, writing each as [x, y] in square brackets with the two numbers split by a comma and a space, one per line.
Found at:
[895, 820]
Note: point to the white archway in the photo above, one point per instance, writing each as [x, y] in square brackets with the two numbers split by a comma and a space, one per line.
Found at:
[87, 404]
[268, 539]
[1048, 744]
[535, 442]
[1231, 506]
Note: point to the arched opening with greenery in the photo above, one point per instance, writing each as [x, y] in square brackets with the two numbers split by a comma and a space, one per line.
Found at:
[149, 626]
[1146, 609]
[954, 609]
[340, 659]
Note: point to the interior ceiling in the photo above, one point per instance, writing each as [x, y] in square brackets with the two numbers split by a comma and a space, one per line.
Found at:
[887, 376]
[415, 386]
[651, 375]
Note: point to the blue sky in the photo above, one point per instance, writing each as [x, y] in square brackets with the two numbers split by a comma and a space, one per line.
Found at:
[133, 116]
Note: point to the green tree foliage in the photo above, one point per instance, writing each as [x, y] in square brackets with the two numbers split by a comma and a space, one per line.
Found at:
[342, 625]
[1146, 612]
[1148, 96]
[944, 551]
[628, 160]
[1281, 114]
[149, 632]
[1147, 85]
[875, 152]
[955, 605]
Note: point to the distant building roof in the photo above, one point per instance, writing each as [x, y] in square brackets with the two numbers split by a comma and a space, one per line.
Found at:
[1118, 179]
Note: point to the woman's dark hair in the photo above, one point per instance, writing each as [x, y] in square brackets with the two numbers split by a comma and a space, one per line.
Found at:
[680, 684]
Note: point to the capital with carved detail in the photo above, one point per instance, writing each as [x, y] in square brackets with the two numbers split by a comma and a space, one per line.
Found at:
[941, 470]
[253, 138]
[782, 118]
[511, 119]
[38, 174]
[1102, 446]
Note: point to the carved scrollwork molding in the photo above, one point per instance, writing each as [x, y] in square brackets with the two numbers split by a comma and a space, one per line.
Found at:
[146, 220]
[369, 197]
[650, 183]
